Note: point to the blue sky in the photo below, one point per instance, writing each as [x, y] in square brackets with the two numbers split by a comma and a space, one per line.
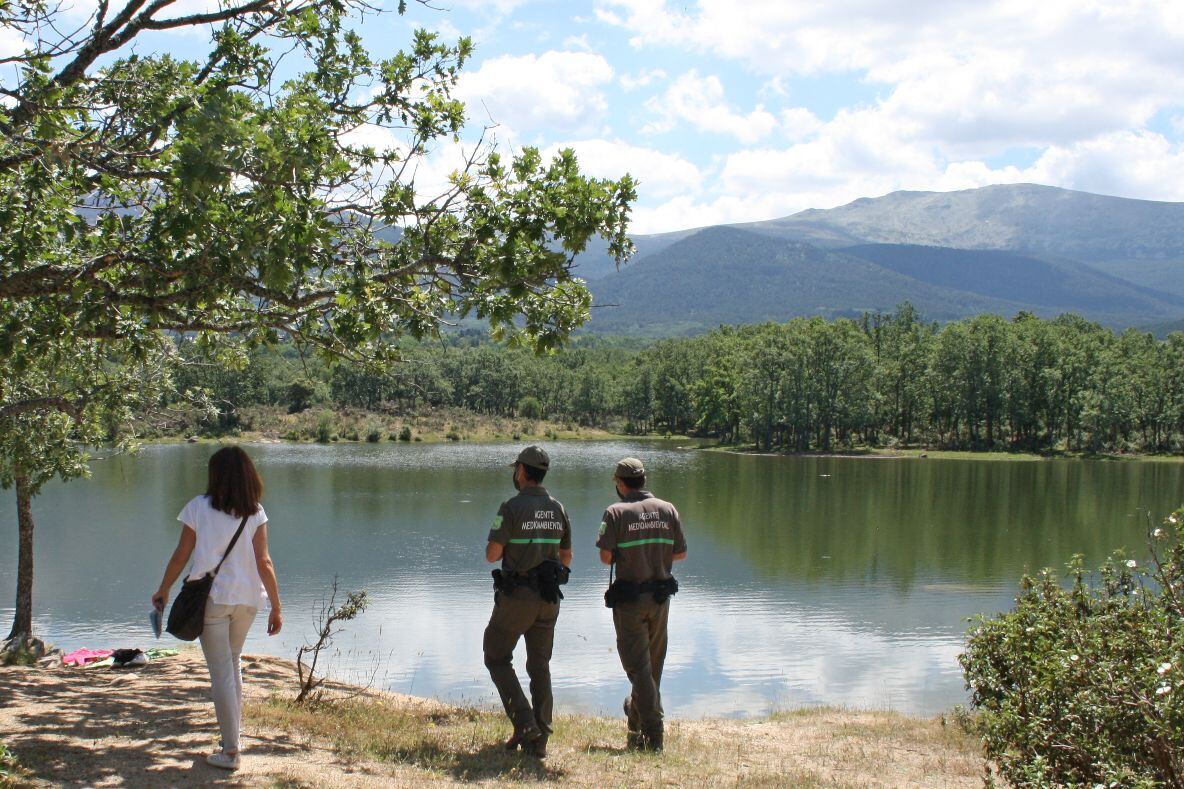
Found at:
[738, 111]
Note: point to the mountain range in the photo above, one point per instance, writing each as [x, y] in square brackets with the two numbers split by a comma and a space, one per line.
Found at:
[999, 249]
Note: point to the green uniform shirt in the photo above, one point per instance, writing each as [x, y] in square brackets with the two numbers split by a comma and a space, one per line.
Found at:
[533, 527]
[645, 532]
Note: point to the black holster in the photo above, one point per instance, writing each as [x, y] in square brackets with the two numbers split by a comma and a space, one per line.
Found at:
[547, 577]
[505, 582]
[628, 591]
[621, 592]
[661, 590]
[544, 579]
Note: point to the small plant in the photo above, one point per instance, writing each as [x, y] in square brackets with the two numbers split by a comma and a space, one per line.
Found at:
[529, 407]
[373, 435]
[453, 434]
[12, 774]
[1085, 685]
[353, 435]
[324, 429]
[405, 433]
[328, 626]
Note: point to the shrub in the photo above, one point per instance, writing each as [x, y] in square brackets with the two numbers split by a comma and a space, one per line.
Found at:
[405, 433]
[529, 407]
[1084, 684]
[11, 772]
[373, 434]
[324, 430]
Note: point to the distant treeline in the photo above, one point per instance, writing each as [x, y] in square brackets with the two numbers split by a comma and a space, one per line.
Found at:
[809, 384]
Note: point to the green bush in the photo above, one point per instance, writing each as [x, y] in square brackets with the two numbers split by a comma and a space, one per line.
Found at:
[324, 431]
[405, 433]
[1083, 684]
[11, 773]
[529, 407]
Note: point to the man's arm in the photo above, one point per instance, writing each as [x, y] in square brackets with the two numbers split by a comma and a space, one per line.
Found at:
[606, 557]
[678, 557]
[565, 556]
[498, 536]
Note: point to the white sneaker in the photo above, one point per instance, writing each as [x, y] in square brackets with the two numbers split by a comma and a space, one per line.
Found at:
[227, 761]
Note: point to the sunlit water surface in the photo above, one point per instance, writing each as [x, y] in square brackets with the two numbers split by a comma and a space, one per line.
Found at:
[810, 580]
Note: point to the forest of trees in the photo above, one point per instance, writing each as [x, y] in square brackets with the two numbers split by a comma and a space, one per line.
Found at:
[809, 384]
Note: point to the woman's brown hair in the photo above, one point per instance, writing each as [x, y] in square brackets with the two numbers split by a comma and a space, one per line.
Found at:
[235, 487]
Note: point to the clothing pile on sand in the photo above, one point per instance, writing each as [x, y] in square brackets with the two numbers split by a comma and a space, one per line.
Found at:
[115, 658]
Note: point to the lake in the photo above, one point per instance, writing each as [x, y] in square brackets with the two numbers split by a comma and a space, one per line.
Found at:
[839, 581]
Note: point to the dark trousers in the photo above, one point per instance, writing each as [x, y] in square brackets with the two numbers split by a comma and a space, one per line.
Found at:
[522, 613]
[641, 643]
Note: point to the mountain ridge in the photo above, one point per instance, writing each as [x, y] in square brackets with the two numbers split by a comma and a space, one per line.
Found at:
[999, 249]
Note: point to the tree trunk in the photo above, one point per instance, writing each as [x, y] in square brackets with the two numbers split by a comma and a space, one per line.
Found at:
[22, 623]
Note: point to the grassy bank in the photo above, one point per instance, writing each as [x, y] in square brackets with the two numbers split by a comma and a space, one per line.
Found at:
[949, 454]
[814, 747]
[357, 425]
[152, 726]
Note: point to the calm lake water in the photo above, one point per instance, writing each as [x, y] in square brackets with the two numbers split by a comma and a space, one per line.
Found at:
[810, 580]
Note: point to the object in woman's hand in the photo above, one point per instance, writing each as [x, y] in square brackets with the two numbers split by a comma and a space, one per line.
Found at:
[156, 619]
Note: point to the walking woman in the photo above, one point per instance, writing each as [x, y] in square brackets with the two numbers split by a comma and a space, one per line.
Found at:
[247, 578]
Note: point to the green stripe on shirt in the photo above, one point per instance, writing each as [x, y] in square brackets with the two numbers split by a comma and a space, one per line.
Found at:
[548, 540]
[631, 543]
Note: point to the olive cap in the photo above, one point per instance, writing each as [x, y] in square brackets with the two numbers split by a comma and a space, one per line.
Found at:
[629, 468]
[535, 457]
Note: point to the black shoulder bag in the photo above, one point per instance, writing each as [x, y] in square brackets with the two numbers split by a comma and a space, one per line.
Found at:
[188, 615]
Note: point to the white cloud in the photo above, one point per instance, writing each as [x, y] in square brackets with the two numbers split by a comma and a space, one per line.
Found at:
[642, 79]
[973, 73]
[579, 42]
[555, 91]
[659, 175]
[797, 123]
[12, 43]
[700, 101]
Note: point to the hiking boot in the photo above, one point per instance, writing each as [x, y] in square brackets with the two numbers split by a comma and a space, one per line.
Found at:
[634, 741]
[223, 760]
[652, 741]
[536, 747]
[523, 738]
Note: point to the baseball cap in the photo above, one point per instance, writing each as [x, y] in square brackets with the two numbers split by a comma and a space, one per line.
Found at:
[535, 457]
[629, 468]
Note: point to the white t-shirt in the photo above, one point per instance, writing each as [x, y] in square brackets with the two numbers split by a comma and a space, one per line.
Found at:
[237, 583]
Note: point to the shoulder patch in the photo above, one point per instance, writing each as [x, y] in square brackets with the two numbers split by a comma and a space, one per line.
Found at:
[497, 523]
[603, 528]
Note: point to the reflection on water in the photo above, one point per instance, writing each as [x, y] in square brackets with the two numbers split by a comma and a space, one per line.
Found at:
[810, 580]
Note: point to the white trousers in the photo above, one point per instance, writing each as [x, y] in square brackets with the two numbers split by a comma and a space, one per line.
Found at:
[222, 639]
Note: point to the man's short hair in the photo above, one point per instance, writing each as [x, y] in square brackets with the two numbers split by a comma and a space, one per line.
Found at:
[633, 483]
[533, 473]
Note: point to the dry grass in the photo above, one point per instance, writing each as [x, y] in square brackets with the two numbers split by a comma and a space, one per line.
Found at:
[817, 747]
[152, 727]
[429, 424]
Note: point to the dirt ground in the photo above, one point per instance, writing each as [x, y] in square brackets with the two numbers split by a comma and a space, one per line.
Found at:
[152, 726]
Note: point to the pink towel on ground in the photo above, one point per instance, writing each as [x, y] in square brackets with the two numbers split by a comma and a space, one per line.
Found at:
[80, 657]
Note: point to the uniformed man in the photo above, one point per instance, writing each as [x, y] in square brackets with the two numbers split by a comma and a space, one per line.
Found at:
[531, 537]
[642, 536]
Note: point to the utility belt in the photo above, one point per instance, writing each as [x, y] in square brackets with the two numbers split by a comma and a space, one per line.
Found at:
[620, 591]
[544, 579]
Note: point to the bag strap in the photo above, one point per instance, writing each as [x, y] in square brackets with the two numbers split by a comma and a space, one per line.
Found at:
[233, 540]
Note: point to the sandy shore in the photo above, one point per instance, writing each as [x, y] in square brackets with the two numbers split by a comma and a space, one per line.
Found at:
[152, 726]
